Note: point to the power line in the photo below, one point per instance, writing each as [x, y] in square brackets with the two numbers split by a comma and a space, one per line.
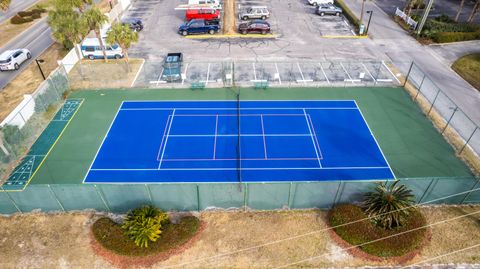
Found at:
[312, 232]
[443, 255]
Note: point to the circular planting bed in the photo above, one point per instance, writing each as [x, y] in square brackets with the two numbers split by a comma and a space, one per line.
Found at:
[110, 242]
[399, 245]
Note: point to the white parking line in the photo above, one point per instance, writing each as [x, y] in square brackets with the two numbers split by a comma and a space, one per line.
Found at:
[208, 74]
[369, 73]
[254, 72]
[390, 71]
[323, 71]
[138, 73]
[184, 75]
[303, 78]
[278, 74]
[349, 77]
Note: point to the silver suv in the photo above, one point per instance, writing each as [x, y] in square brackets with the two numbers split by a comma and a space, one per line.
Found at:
[329, 10]
[255, 12]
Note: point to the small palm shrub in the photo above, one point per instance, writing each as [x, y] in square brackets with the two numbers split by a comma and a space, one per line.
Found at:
[144, 225]
[389, 206]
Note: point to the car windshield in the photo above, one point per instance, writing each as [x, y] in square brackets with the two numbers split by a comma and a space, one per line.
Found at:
[115, 46]
[6, 61]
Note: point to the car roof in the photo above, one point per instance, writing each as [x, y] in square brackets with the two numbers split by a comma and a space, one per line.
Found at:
[6, 54]
[257, 7]
[259, 21]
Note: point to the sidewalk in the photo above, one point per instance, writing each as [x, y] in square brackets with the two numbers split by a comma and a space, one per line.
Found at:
[402, 49]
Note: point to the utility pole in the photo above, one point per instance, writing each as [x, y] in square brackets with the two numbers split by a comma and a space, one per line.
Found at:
[425, 16]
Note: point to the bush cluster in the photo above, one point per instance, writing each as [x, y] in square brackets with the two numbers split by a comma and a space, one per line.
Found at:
[446, 37]
[28, 16]
[365, 230]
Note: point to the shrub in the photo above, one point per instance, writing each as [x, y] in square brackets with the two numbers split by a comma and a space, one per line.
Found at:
[25, 13]
[19, 20]
[388, 206]
[36, 16]
[446, 37]
[144, 225]
[444, 18]
[362, 232]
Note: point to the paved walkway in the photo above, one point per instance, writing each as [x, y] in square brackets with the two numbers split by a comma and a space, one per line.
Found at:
[450, 52]
[401, 48]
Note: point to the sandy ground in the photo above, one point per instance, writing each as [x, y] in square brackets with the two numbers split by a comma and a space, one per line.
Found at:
[61, 240]
[229, 17]
[28, 81]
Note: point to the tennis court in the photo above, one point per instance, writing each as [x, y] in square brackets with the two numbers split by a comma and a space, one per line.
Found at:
[230, 141]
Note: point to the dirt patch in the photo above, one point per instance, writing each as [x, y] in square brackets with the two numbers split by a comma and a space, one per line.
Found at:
[229, 241]
[28, 81]
[94, 74]
[229, 17]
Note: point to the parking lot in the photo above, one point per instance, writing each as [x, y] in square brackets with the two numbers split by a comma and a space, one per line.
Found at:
[271, 74]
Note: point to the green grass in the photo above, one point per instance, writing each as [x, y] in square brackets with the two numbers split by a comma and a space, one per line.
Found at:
[110, 235]
[365, 231]
[468, 67]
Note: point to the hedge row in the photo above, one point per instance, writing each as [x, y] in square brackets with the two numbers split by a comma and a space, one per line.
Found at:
[348, 13]
[447, 37]
[27, 16]
[433, 26]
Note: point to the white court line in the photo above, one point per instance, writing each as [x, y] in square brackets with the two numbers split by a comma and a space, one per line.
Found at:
[166, 140]
[208, 74]
[235, 135]
[279, 80]
[104, 138]
[263, 136]
[323, 71]
[391, 73]
[245, 108]
[138, 73]
[316, 137]
[369, 73]
[376, 142]
[185, 74]
[236, 168]
[163, 137]
[301, 73]
[254, 72]
[345, 70]
[215, 139]
[311, 136]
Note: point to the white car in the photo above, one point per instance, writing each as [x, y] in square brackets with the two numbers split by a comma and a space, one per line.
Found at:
[320, 2]
[12, 59]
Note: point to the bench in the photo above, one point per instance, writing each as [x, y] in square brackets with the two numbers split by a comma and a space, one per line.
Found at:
[197, 85]
[261, 84]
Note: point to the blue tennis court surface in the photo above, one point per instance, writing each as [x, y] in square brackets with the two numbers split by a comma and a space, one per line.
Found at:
[199, 141]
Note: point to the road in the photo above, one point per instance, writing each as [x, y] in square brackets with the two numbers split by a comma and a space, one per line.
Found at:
[37, 39]
[15, 6]
[450, 52]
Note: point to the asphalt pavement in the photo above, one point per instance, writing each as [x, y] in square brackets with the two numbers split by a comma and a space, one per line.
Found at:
[15, 6]
[37, 39]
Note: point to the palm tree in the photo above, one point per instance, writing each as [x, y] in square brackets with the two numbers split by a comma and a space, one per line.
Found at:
[4, 4]
[124, 37]
[388, 205]
[459, 10]
[94, 19]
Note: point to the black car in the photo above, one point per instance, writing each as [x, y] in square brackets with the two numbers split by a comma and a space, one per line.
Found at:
[134, 23]
[256, 26]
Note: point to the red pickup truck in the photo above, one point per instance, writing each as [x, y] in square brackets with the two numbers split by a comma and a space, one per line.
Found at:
[206, 14]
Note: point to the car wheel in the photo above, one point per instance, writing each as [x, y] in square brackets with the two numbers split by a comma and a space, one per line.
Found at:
[315, 4]
[264, 17]
[29, 56]
[245, 18]
[16, 66]
[211, 31]
[117, 56]
[184, 33]
[337, 14]
[264, 32]
[244, 32]
[91, 57]
[322, 14]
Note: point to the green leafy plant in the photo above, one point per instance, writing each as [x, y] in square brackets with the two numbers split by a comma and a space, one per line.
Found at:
[144, 225]
[389, 206]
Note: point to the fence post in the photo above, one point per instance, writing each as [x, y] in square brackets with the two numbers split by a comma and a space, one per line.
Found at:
[338, 194]
[408, 73]
[198, 198]
[11, 199]
[433, 102]
[468, 140]
[99, 191]
[428, 189]
[56, 198]
[449, 119]
[468, 194]
[419, 87]
[245, 197]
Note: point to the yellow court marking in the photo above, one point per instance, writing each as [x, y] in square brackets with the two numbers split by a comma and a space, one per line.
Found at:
[53, 145]
[346, 36]
[269, 36]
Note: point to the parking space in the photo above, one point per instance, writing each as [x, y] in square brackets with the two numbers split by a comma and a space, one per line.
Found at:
[273, 74]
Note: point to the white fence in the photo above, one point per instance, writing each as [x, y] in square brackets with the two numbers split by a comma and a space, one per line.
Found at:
[406, 19]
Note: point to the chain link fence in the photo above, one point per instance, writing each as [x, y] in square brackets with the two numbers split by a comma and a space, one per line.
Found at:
[454, 124]
[22, 127]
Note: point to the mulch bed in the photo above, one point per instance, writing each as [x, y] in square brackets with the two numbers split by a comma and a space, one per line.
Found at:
[122, 261]
[358, 253]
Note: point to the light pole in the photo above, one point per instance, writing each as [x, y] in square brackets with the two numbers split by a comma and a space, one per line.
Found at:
[369, 19]
[40, 61]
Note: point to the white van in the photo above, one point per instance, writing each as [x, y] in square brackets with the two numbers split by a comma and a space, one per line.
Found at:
[320, 2]
[91, 49]
[214, 3]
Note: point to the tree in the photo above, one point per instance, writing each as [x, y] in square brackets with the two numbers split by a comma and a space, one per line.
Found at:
[144, 225]
[123, 36]
[94, 19]
[474, 11]
[4, 4]
[66, 24]
[388, 206]
[459, 10]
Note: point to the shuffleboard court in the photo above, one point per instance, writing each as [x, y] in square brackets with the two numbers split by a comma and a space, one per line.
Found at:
[230, 141]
